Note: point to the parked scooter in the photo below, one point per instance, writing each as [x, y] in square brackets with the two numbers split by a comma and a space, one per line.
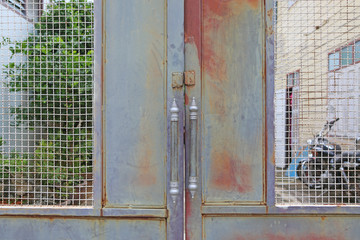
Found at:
[327, 167]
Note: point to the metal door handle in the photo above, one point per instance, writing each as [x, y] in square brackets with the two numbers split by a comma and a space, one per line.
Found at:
[174, 161]
[193, 172]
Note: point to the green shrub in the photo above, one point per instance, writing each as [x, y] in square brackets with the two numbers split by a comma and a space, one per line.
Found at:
[58, 79]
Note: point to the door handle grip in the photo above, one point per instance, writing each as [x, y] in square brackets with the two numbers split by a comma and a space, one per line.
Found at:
[174, 156]
[193, 171]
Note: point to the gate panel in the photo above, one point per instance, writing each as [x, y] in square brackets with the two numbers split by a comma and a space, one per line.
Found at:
[81, 229]
[280, 228]
[225, 47]
[135, 117]
[232, 101]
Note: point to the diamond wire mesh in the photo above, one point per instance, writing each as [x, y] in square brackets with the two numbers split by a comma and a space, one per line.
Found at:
[46, 94]
[317, 80]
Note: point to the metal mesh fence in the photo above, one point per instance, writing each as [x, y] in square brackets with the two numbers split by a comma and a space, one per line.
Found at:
[46, 94]
[317, 102]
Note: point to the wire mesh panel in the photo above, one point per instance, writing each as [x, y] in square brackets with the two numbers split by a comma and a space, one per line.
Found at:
[46, 94]
[317, 105]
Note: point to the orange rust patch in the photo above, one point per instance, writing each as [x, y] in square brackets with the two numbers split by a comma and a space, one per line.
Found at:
[231, 174]
[192, 24]
[315, 236]
[273, 157]
[270, 14]
[186, 99]
[225, 8]
[145, 175]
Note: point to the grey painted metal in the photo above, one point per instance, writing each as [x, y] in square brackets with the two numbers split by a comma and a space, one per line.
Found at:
[134, 213]
[81, 228]
[98, 102]
[233, 102]
[193, 13]
[270, 108]
[272, 227]
[175, 64]
[193, 169]
[174, 155]
[50, 211]
[135, 103]
[225, 48]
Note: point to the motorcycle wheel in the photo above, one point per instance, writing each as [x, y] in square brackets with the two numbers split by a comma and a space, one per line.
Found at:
[306, 171]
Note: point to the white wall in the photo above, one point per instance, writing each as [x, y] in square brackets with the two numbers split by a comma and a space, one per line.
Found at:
[15, 27]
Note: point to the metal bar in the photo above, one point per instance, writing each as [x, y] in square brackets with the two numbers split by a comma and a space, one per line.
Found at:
[193, 176]
[193, 62]
[174, 163]
[175, 64]
[49, 211]
[234, 210]
[269, 107]
[143, 213]
[98, 103]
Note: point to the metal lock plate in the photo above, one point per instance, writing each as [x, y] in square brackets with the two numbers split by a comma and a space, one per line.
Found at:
[177, 79]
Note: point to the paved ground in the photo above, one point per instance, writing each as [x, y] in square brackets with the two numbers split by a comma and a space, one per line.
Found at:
[291, 191]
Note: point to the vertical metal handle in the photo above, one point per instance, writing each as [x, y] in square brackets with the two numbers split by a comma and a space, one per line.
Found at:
[174, 161]
[193, 171]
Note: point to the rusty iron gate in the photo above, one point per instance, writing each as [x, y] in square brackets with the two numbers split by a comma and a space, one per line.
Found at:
[183, 133]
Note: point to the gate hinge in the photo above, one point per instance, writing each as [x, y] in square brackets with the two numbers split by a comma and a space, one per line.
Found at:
[179, 79]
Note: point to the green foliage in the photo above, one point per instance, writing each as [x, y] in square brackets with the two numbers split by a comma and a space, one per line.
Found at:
[58, 77]
[14, 166]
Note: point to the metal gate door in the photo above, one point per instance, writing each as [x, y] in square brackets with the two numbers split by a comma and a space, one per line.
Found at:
[178, 129]
[128, 169]
[230, 47]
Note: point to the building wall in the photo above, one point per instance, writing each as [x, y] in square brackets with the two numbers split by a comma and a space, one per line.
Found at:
[306, 33]
[17, 28]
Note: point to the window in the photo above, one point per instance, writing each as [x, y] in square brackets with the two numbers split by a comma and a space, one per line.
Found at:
[357, 51]
[347, 55]
[292, 79]
[334, 61]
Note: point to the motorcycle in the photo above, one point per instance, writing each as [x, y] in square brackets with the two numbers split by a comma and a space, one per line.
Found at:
[327, 167]
[318, 169]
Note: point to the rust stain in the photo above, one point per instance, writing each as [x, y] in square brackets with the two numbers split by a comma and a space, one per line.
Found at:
[269, 30]
[270, 14]
[323, 218]
[192, 24]
[186, 99]
[273, 157]
[230, 7]
[145, 173]
[231, 174]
